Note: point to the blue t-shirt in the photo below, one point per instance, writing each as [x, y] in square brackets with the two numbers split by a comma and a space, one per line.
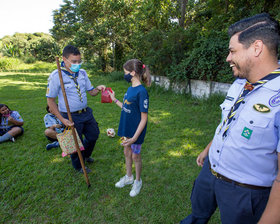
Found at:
[135, 101]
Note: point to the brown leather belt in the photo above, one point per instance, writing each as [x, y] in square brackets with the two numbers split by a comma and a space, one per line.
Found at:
[221, 177]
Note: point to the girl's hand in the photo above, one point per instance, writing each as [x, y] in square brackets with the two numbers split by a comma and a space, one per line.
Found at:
[128, 141]
[112, 95]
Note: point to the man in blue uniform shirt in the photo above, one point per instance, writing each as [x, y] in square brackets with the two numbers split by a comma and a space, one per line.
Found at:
[240, 172]
[77, 84]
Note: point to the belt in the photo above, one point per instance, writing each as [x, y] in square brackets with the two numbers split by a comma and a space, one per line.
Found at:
[78, 111]
[221, 177]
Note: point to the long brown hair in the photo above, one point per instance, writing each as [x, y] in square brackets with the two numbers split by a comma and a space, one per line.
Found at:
[141, 70]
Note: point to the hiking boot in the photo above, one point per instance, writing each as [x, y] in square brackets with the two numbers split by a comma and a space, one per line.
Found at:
[52, 145]
[136, 188]
[124, 181]
[89, 160]
[88, 170]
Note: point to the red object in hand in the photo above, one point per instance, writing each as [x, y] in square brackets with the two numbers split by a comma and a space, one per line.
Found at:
[105, 96]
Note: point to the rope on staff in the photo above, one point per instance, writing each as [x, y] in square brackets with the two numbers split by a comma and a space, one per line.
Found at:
[71, 120]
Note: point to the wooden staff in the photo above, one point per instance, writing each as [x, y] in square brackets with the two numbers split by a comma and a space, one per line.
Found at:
[70, 119]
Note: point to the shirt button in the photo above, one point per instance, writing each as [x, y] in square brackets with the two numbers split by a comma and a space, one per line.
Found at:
[233, 118]
[214, 165]
[243, 102]
[251, 122]
[218, 151]
[224, 108]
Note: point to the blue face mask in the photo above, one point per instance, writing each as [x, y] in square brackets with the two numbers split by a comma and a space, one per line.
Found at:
[75, 67]
[128, 77]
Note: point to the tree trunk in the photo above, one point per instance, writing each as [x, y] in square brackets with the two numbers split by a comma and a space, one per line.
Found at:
[182, 4]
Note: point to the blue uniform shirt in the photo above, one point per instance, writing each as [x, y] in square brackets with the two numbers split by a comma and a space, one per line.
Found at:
[54, 90]
[136, 100]
[5, 124]
[249, 152]
[50, 119]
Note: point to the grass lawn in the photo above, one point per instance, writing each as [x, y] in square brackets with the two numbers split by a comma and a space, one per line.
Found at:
[39, 186]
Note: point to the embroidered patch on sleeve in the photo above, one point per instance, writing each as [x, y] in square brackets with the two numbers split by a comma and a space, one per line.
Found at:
[247, 132]
[275, 100]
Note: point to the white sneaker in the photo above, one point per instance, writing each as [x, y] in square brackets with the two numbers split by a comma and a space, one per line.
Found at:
[124, 181]
[136, 188]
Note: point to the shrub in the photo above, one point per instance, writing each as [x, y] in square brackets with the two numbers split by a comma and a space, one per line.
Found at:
[9, 63]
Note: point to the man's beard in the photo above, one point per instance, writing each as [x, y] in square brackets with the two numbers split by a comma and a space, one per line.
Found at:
[242, 73]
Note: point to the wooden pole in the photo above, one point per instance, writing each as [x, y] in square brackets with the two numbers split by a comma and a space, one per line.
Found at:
[71, 120]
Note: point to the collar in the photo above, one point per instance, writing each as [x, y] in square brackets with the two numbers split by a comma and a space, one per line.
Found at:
[274, 83]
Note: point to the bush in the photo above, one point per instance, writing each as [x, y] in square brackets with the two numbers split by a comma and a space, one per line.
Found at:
[9, 63]
[207, 61]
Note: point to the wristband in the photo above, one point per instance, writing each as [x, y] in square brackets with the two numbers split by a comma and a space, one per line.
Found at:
[115, 101]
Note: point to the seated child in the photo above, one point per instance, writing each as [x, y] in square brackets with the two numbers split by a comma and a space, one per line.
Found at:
[10, 124]
[54, 126]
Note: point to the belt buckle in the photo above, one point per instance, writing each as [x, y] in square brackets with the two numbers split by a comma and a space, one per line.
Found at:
[80, 111]
[214, 173]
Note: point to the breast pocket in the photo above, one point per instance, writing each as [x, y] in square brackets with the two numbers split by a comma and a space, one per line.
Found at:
[251, 127]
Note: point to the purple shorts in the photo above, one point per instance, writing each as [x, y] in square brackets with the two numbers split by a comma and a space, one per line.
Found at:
[136, 148]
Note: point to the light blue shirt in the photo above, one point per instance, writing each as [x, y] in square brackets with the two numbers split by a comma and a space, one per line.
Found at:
[50, 120]
[5, 124]
[54, 90]
[249, 152]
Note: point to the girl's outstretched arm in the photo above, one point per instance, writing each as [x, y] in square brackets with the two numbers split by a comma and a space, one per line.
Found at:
[112, 95]
[140, 128]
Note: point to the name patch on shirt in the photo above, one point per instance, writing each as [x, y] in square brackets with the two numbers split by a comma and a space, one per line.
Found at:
[261, 108]
[275, 100]
[247, 132]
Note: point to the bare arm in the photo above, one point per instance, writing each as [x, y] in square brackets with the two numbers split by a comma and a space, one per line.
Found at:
[95, 91]
[140, 128]
[14, 121]
[201, 157]
[112, 95]
[271, 213]
[54, 110]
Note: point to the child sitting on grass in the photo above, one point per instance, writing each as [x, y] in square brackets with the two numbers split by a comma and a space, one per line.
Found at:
[53, 126]
[10, 124]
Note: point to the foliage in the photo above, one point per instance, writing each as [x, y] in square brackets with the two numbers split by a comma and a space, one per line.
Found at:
[39, 186]
[14, 64]
[167, 35]
[207, 61]
[7, 63]
[40, 46]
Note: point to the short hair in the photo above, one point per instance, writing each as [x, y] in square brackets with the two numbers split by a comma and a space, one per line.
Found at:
[70, 49]
[259, 27]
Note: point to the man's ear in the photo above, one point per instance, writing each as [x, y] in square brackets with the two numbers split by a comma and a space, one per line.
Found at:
[258, 47]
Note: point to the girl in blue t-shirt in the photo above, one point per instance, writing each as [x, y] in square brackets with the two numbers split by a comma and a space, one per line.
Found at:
[10, 124]
[133, 121]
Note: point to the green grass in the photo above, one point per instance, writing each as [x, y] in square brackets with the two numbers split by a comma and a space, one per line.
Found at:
[39, 186]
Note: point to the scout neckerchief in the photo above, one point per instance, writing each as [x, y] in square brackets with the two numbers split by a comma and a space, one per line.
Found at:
[248, 87]
[53, 116]
[74, 77]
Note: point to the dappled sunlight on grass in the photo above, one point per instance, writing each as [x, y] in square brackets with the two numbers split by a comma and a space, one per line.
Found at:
[192, 132]
[57, 160]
